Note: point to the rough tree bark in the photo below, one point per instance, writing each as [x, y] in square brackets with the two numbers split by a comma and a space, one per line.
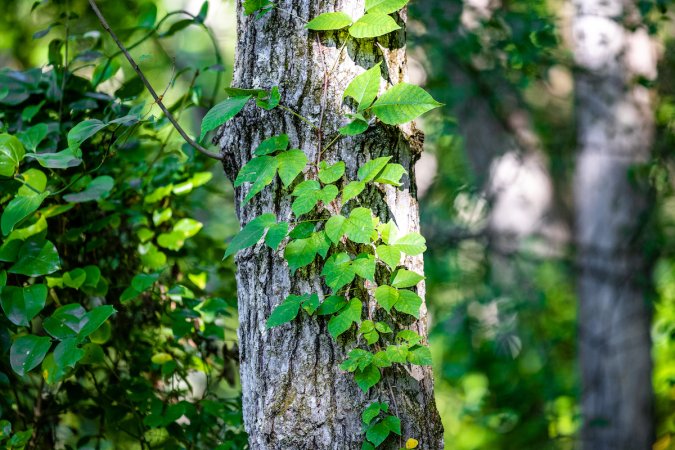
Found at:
[294, 394]
[615, 133]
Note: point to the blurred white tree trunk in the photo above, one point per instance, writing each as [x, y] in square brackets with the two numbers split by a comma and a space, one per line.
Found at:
[615, 132]
[294, 394]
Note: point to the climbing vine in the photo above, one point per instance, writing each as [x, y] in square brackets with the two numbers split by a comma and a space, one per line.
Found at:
[360, 254]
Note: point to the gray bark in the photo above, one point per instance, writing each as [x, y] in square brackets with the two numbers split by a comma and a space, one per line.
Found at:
[615, 133]
[294, 394]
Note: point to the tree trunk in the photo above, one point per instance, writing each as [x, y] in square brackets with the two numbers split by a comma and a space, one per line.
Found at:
[294, 394]
[615, 133]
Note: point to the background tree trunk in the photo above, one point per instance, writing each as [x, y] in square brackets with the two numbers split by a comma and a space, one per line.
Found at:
[615, 133]
[294, 394]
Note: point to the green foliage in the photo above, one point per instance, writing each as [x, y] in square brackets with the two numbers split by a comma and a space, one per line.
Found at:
[329, 21]
[403, 103]
[365, 87]
[115, 305]
[372, 26]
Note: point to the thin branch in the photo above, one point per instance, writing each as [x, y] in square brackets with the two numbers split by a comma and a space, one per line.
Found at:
[147, 84]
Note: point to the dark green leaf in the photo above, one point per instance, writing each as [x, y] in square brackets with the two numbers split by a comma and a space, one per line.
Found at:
[286, 311]
[221, 113]
[21, 304]
[98, 189]
[18, 209]
[345, 318]
[367, 378]
[83, 131]
[36, 257]
[27, 352]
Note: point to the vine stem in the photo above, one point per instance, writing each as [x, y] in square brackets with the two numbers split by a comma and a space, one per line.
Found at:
[147, 84]
[299, 116]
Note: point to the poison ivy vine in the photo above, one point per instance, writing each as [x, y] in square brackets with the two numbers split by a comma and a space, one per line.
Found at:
[361, 255]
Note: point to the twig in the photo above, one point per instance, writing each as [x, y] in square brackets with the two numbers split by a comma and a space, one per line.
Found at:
[324, 90]
[147, 84]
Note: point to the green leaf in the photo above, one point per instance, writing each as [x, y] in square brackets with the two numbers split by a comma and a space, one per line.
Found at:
[253, 6]
[286, 311]
[385, 6]
[66, 322]
[354, 128]
[11, 154]
[37, 180]
[272, 144]
[331, 305]
[403, 103]
[391, 174]
[377, 433]
[403, 278]
[291, 164]
[420, 356]
[276, 234]
[357, 359]
[221, 113]
[309, 193]
[104, 71]
[60, 160]
[301, 252]
[367, 378]
[393, 423]
[268, 101]
[386, 296]
[251, 233]
[365, 445]
[22, 304]
[98, 189]
[409, 336]
[397, 354]
[353, 189]
[260, 172]
[303, 230]
[94, 319]
[372, 168]
[35, 258]
[330, 174]
[373, 25]
[32, 137]
[311, 303]
[409, 303]
[412, 244]
[27, 353]
[345, 318]
[372, 411]
[390, 255]
[182, 230]
[338, 271]
[83, 131]
[364, 266]
[67, 353]
[334, 227]
[18, 209]
[359, 226]
[329, 21]
[364, 88]
[240, 92]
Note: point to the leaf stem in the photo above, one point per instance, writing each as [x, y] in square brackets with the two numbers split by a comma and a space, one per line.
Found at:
[299, 116]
